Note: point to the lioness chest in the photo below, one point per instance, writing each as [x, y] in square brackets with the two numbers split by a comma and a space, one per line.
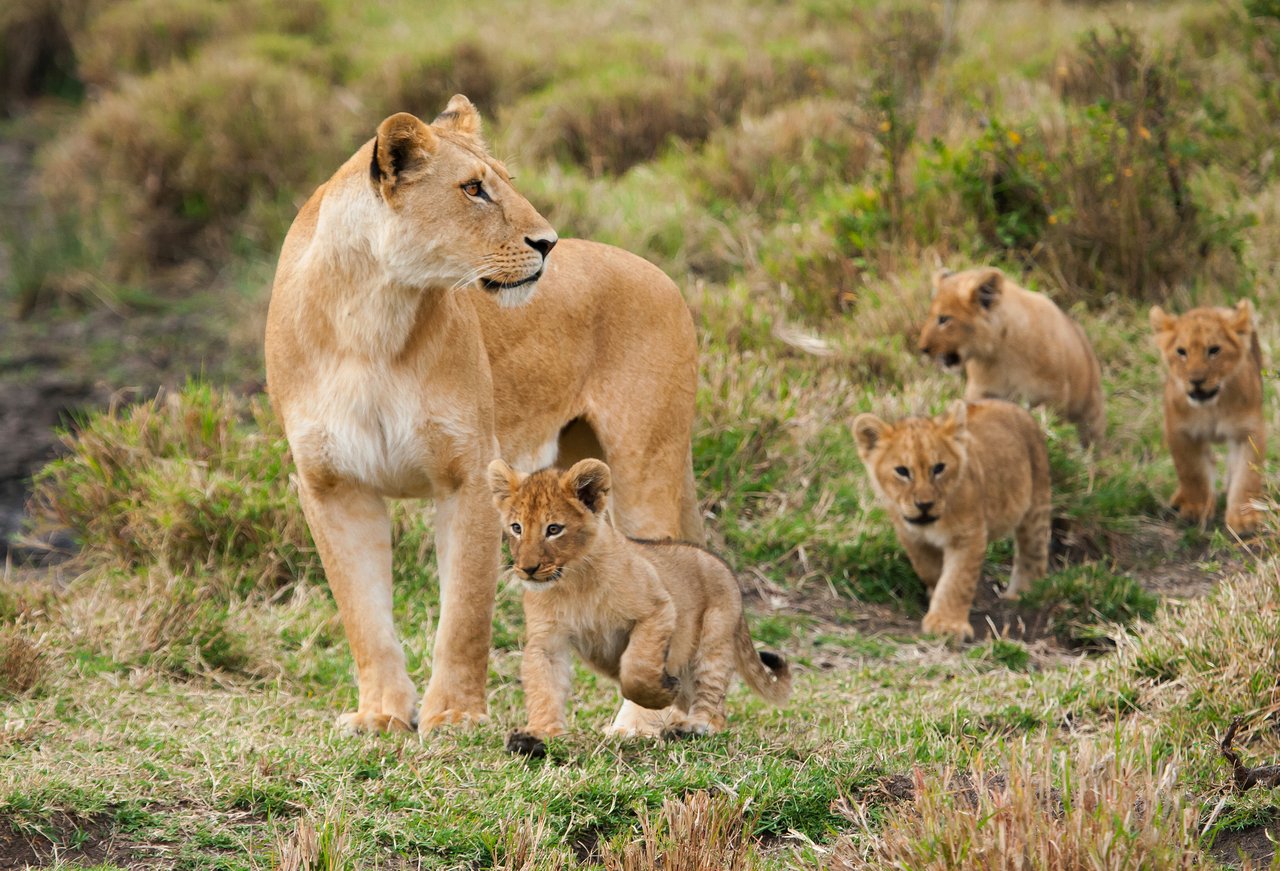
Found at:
[375, 426]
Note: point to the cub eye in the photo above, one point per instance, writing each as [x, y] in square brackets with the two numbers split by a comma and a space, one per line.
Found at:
[904, 472]
[515, 527]
[1214, 349]
[1182, 352]
[939, 469]
[554, 529]
[943, 320]
[475, 189]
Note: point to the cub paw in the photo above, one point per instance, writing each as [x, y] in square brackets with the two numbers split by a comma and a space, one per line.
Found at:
[450, 717]
[526, 744]
[940, 624]
[358, 722]
[1191, 509]
[1243, 520]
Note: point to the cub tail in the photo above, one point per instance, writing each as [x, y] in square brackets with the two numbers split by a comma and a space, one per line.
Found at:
[766, 673]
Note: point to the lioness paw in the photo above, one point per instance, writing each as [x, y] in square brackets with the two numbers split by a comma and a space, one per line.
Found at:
[450, 717]
[357, 722]
[942, 624]
[526, 743]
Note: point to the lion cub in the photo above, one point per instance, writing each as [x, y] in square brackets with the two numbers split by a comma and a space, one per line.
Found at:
[954, 483]
[663, 619]
[1014, 344]
[1213, 393]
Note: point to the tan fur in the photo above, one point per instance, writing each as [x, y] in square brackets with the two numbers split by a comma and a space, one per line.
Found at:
[663, 619]
[1213, 393]
[396, 376]
[982, 470]
[1014, 344]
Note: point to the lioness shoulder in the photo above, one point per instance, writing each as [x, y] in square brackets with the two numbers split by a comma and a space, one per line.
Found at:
[1213, 393]
[953, 483]
[663, 618]
[1014, 344]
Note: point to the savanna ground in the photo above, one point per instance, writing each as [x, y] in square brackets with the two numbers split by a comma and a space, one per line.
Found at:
[168, 684]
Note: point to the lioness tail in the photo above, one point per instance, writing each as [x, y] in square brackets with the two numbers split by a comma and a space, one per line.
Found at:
[766, 673]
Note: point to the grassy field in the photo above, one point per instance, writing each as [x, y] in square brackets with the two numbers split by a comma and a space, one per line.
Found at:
[167, 697]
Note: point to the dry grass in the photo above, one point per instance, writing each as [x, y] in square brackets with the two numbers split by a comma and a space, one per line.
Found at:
[22, 660]
[696, 833]
[1110, 811]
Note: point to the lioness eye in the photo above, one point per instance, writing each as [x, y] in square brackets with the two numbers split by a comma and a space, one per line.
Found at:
[515, 527]
[943, 320]
[903, 471]
[939, 469]
[474, 188]
[1214, 349]
[1182, 352]
[554, 529]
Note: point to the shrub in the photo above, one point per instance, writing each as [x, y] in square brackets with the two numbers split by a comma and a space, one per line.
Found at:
[423, 85]
[175, 166]
[197, 478]
[138, 37]
[36, 55]
[21, 661]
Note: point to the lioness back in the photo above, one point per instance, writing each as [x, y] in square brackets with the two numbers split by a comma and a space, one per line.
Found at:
[953, 483]
[1014, 344]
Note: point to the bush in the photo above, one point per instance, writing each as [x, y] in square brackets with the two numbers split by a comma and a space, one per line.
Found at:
[423, 85]
[197, 478]
[36, 55]
[176, 166]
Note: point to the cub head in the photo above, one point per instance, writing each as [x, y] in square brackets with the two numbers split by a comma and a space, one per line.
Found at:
[914, 464]
[1203, 347]
[960, 317]
[449, 214]
[551, 517]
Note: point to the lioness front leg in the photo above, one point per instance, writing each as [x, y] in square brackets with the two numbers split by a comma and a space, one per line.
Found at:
[1193, 461]
[545, 672]
[467, 555]
[353, 534]
[1245, 458]
[949, 608]
[642, 671]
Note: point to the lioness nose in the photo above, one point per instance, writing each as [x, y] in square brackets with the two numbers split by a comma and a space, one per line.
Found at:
[542, 244]
[531, 570]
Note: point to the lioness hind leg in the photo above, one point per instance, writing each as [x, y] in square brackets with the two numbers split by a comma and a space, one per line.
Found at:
[353, 534]
[633, 721]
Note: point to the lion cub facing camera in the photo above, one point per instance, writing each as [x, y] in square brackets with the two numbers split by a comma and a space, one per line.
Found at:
[954, 483]
[664, 619]
[1014, 344]
[1213, 393]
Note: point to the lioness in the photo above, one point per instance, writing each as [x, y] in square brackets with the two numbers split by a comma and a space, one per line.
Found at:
[395, 377]
[664, 619]
[1213, 393]
[1014, 344]
[954, 483]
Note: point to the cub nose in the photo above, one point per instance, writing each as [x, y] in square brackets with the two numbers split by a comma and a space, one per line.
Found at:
[926, 349]
[924, 506]
[542, 244]
[532, 570]
[1197, 383]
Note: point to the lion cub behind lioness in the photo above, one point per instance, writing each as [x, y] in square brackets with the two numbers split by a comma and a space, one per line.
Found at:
[953, 483]
[1014, 344]
[664, 619]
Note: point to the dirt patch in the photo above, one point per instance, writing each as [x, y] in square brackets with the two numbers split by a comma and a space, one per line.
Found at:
[1252, 845]
[90, 840]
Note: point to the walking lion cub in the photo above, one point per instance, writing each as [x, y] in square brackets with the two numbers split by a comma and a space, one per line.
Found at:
[1213, 393]
[954, 483]
[662, 618]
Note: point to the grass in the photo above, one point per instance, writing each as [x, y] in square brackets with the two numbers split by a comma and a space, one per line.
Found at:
[169, 697]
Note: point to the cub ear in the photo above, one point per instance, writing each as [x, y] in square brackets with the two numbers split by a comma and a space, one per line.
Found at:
[460, 116]
[1242, 319]
[503, 481]
[987, 293]
[588, 481]
[1161, 321]
[939, 276]
[868, 430]
[956, 417]
[403, 144]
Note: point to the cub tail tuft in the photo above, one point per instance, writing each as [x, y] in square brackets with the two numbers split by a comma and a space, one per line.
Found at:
[766, 673]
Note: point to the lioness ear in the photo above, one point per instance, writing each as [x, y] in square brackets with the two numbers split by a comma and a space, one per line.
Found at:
[1242, 320]
[867, 432]
[1161, 321]
[588, 481]
[987, 294]
[403, 144]
[503, 481]
[460, 116]
[938, 276]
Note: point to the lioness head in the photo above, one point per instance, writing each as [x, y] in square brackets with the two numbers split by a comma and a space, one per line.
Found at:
[1203, 347]
[959, 321]
[550, 517]
[452, 216]
[914, 464]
